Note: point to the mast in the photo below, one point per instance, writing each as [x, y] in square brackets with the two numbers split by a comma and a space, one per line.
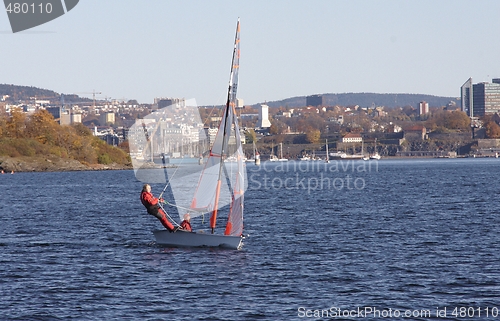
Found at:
[327, 156]
[230, 103]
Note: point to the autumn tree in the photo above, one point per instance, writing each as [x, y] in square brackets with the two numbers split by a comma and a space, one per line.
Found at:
[277, 127]
[39, 134]
[492, 128]
[42, 127]
[16, 124]
[81, 130]
[457, 120]
[313, 135]
[3, 121]
[250, 136]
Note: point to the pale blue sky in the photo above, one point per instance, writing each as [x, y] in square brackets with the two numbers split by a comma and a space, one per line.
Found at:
[144, 49]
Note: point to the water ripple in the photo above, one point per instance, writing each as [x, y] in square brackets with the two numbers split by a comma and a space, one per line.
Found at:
[419, 235]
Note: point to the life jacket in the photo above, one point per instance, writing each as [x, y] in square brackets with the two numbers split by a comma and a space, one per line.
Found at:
[149, 201]
[186, 226]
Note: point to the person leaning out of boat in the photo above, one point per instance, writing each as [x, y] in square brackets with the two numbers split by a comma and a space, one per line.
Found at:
[186, 224]
[151, 204]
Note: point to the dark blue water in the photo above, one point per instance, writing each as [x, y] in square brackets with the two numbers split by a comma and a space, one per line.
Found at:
[401, 235]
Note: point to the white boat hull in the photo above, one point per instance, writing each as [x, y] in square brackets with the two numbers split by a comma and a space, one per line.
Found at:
[197, 239]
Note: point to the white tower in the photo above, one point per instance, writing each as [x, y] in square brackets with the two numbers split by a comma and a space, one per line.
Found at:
[264, 117]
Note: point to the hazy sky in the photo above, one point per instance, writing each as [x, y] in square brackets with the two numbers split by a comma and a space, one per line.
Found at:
[160, 48]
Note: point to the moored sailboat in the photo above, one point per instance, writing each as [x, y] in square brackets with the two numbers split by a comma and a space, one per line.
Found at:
[327, 160]
[282, 159]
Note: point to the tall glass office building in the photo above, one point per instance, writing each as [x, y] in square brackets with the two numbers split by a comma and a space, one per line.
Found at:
[485, 98]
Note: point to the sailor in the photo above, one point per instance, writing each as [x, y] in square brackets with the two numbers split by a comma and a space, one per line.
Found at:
[151, 204]
[186, 224]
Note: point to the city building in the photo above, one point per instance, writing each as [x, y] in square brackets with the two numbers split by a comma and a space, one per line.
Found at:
[314, 100]
[62, 116]
[263, 121]
[486, 97]
[165, 102]
[76, 118]
[415, 133]
[107, 118]
[480, 99]
[466, 95]
[352, 138]
[451, 106]
[423, 108]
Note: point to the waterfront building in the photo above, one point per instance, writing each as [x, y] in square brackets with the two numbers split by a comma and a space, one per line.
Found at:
[466, 95]
[486, 98]
[482, 98]
[352, 138]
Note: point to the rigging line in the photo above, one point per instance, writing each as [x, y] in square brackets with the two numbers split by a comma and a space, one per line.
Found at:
[208, 116]
[169, 178]
[184, 208]
[213, 108]
[166, 174]
[168, 215]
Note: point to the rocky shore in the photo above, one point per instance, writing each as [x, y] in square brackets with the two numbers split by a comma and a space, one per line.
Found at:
[51, 164]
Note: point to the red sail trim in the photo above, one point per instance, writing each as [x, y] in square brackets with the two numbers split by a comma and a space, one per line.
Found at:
[229, 228]
[213, 218]
[205, 197]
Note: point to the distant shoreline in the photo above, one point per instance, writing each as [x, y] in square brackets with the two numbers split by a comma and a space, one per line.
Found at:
[57, 164]
[52, 164]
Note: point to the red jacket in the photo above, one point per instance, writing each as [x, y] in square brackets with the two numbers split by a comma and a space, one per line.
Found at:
[148, 200]
[186, 226]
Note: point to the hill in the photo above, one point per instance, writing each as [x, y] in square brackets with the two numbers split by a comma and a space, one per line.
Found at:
[26, 142]
[22, 93]
[367, 100]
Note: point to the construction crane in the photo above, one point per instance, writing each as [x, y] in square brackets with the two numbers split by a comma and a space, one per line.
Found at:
[93, 96]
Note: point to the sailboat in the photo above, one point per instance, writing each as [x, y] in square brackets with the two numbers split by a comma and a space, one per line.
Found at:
[274, 158]
[219, 180]
[281, 159]
[327, 160]
[256, 156]
[364, 157]
[376, 155]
